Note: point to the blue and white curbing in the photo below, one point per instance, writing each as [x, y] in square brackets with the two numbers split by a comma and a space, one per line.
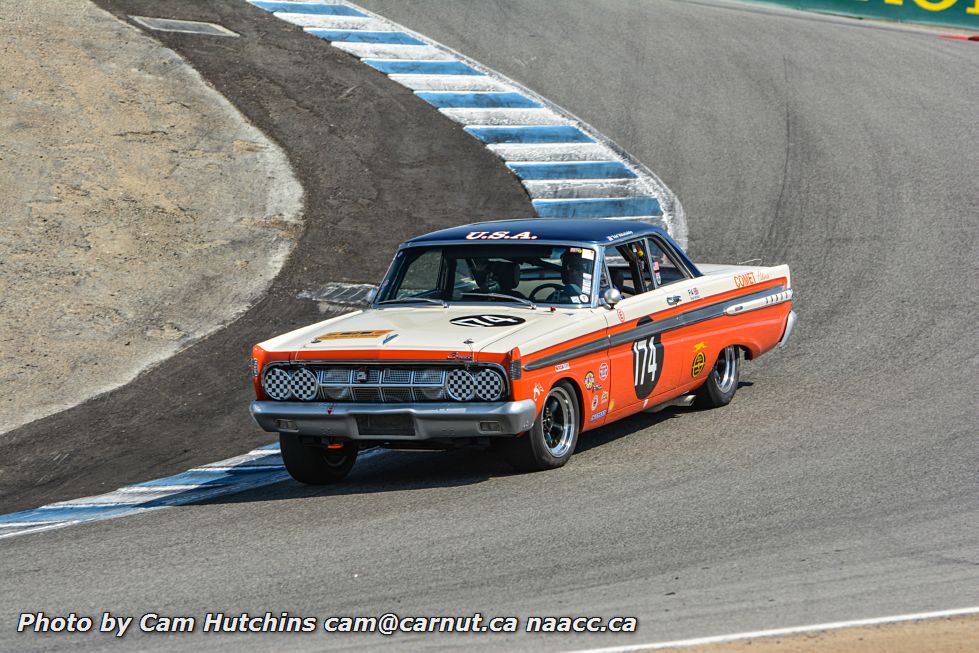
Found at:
[567, 167]
[255, 468]
[259, 467]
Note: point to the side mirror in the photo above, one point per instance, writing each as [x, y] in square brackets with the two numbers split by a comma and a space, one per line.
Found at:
[371, 296]
[612, 296]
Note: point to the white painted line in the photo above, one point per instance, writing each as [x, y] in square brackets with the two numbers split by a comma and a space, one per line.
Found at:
[37, 529]
[652, 219]
[503, 116]
[566, 189]
[393, 51]
[337, 22]
[151, 489]
[183, 26]
[449, 82]
[247, 461]
[119, 498]
[31, 523]
[532, 152]
[777, 632]
[248, 469]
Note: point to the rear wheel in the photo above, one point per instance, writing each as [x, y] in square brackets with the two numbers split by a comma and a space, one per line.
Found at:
[553, 437]
[722, 382]
[316, 465]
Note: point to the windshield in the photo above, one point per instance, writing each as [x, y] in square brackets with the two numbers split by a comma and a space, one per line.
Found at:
[543, 274]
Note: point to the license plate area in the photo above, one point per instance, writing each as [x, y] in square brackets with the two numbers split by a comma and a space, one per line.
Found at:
[385, 425]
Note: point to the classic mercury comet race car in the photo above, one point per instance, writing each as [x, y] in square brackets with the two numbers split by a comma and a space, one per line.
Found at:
[518, 334]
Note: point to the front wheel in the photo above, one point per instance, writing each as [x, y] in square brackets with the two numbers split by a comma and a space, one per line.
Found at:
[552, 439]
[316, 465]
[722, 382]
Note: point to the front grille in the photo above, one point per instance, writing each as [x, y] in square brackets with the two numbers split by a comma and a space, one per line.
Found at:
[375, 383]
[395, 376]
[367, 395]
[333, 375]
[395, 395]
[429, 377]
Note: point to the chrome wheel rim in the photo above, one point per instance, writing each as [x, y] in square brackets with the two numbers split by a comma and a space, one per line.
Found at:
[558, 422]
[725, 371]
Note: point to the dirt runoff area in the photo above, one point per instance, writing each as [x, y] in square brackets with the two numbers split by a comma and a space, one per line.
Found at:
[952, 635]
[139, 210]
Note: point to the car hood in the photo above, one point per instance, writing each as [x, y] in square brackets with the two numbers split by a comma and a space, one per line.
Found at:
[490, 328]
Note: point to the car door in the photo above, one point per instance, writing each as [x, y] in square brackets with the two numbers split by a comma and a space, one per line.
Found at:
[692, 346]
[636, 362]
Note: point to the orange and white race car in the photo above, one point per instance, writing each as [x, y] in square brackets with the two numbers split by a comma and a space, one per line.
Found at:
[520, 334]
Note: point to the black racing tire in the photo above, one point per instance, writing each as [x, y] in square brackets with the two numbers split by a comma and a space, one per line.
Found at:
[552, 439]
[316, 465]
[722, 381]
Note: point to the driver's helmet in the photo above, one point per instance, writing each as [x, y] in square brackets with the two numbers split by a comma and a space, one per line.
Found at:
[573, 269]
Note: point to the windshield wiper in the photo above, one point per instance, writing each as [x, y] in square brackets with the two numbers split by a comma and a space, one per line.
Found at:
[497, 295]
[440, 302]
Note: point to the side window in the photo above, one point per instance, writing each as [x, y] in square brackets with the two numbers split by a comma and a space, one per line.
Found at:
[629, 267]
[665, 268]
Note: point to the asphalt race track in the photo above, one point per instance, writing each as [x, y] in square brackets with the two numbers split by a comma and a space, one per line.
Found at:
[841, 482]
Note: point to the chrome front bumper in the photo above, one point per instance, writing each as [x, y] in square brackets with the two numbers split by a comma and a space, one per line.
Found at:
[789, 324]
[430, 421]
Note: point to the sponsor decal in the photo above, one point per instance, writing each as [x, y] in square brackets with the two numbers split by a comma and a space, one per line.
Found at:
[659, 278]
[764, 276]
[698, 365]
[647, 362]
[583, 297]
[560, 367]
[456, 356]
[576, 300]
[348, 335]
[500, 235]
[538, 391]
[487, 320]
[604, 396]
[694, 293]
[588, 254]
[746, 279]
[603, 371]
[599, 415]
[594, 402]
[618, 235]
[611, 405]
[674, 300]
[586, 280]
[621, 315]
[590, 380]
